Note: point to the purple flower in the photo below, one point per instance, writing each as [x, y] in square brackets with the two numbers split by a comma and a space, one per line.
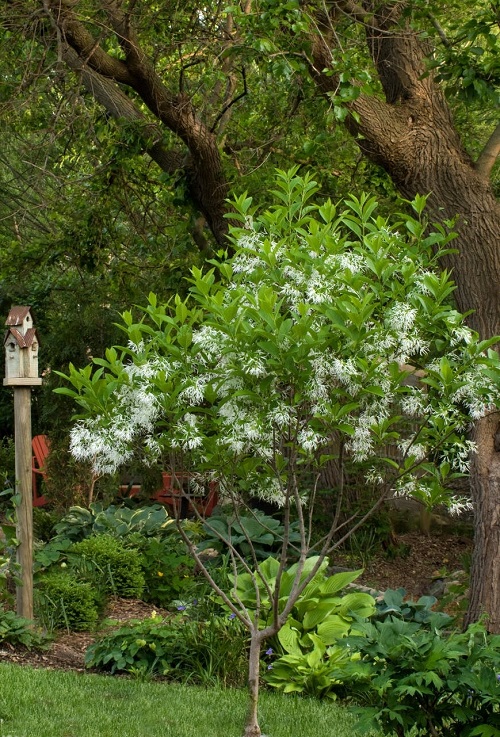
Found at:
[181, 608]
[232, 616]
[195, 602]
[269, 651]
[270, 666]
[498, 676]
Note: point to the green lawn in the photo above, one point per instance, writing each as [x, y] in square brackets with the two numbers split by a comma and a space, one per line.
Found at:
[44, 703]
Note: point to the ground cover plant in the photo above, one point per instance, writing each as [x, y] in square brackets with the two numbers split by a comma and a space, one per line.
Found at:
[329, 335]
[415, 679]
[15, 630]
[210, 651]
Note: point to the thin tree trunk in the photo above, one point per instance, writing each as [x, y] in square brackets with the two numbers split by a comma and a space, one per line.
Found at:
[252, 728]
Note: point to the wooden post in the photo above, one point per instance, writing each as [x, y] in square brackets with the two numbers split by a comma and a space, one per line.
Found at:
[22, 431]
[21, 373]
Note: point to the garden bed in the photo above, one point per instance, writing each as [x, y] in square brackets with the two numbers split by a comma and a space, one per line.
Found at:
[67, 651]
[424, 561]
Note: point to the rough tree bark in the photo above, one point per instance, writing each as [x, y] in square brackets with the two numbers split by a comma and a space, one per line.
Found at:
[411, 135]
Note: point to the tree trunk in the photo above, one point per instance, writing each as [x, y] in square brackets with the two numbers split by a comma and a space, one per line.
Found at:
[421, 152]
[423, 157]
[252, 728]
[484, 595]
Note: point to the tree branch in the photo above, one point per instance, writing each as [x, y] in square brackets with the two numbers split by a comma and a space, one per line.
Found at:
[205, 175]
[440, 30]
[88, 48]
[232, 102]
[118, 105]
[489, 155]
[355, 11]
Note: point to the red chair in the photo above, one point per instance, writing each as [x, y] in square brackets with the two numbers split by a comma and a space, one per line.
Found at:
[182, 503]
[40, 447]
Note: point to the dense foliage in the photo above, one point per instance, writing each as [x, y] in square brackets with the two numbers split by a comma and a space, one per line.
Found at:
[418, 680]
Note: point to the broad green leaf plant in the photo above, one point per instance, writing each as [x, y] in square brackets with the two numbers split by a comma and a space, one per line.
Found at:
[329, 332]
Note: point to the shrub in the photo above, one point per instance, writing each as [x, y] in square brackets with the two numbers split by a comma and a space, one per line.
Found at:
[63, 601]
[70, 481]
[7, 464]
[119, 567]
[9, 569]
[168, 570]
[43, 523]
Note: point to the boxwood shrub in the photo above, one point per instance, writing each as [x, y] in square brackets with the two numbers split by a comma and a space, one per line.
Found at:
[63, 601]
[119, 568]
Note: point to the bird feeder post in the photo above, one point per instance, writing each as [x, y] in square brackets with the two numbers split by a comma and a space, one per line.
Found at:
[21, 373]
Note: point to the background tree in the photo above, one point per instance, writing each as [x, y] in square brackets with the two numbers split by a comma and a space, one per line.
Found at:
[409, 130]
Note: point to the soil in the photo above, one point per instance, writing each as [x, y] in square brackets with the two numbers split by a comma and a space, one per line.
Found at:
[419, 563]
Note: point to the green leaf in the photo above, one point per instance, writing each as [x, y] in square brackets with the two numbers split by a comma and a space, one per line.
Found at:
[289, 638]
[339, 581]
[333, 628]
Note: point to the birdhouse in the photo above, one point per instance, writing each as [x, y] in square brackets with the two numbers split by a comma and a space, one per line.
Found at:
[21, 348]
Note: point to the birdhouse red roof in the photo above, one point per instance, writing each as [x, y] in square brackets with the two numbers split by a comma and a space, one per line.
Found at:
[23, 341]
[17, 315]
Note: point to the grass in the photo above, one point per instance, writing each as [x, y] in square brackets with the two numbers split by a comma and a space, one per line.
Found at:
[44, 703]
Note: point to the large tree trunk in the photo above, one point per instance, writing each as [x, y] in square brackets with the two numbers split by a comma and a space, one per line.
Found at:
[485, 572]
[412, 136]
[422, 154]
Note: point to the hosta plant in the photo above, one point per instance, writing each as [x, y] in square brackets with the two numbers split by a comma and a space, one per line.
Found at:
[248, 530]
[309, 655]
[318, 610]
[395, 604]
[311, 672]
[119, 521]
